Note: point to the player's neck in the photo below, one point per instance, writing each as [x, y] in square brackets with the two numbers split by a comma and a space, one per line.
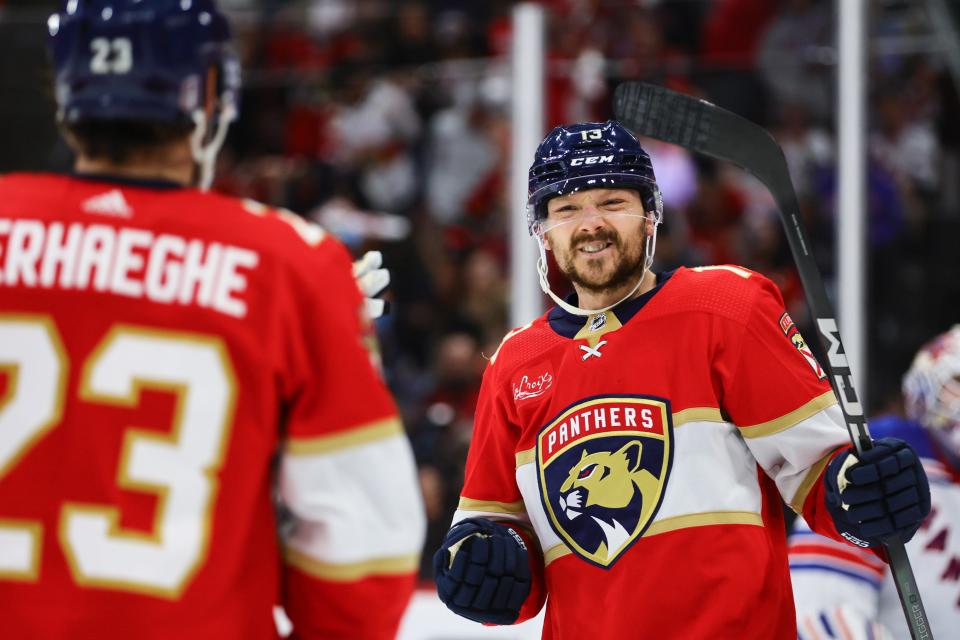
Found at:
[601, 299]
[173, 166]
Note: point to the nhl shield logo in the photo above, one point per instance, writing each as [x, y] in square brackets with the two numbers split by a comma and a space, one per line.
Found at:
[603, 465]
[598, 321]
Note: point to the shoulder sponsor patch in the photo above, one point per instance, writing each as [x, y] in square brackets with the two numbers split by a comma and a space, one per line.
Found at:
[603, 465]
[793, 334]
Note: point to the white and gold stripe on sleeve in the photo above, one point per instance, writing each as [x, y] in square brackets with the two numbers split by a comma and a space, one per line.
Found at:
[794, 448]
[792, 419]
[356, 503]
[351, 571]
[378, 430]
[492, 510]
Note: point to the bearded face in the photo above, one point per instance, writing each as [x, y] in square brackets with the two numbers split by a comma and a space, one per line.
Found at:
[601, 260]
[598, 238]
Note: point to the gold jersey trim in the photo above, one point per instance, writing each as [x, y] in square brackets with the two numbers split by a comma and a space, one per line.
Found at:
[675, 523]
[784, 422]
[702, 520]
[697, 414]
[609, 324]
[364, 434]
[554, 552]
[808, 481]
[491, 506]
[398, 565]
[526, 456]
[33, 530]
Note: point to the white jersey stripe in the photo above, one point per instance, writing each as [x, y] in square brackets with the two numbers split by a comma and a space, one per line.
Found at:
[348, 507]
[788, 455]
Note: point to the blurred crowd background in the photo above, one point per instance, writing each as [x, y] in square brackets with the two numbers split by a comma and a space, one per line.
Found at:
[388, 123]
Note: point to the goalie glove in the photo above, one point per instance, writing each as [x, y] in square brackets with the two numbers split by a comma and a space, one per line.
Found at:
[482, 571]
[881, 494]
[372, 280]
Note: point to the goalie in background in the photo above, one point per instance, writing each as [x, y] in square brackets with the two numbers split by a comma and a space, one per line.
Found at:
[840, 588]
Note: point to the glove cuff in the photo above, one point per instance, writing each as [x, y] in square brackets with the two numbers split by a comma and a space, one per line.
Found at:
[836, 480]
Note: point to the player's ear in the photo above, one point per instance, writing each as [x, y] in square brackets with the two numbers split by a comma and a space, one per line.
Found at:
[546, 242]
[648, 224]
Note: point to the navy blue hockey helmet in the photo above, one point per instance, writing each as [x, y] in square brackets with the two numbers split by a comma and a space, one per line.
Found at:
[142, 60]
[589, 155]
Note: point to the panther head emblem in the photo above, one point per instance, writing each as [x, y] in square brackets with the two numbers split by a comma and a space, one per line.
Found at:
[603, 464]
[603, 483]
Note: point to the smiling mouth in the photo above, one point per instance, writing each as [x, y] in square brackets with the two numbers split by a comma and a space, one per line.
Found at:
[592, 248]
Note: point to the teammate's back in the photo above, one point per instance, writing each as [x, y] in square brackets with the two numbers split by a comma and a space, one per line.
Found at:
[177, 366]
[152, 339]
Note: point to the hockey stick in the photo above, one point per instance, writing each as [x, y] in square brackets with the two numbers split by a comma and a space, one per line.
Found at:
[697, 125]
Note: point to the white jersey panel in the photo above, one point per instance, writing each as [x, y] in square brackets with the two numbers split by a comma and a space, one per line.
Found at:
[713, 471]
[348, 505]
[530, 490]
[787, 456]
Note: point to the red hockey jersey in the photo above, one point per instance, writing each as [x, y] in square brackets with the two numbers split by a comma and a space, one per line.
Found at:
[647, 448]
[159, 347]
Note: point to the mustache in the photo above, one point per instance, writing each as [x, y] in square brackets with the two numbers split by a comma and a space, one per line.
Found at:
[603, 235]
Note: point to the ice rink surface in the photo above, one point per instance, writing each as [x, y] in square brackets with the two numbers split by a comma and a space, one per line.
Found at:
[428, 619]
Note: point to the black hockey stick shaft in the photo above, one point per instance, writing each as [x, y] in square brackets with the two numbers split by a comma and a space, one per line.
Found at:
[700, 126]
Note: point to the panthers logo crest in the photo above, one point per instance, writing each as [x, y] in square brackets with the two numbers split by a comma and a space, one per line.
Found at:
[603, 466]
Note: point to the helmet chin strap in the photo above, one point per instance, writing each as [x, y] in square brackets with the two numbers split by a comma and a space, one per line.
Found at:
[542, 268]
[205, 154]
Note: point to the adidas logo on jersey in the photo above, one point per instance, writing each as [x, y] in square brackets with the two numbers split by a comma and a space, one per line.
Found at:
[111, 203]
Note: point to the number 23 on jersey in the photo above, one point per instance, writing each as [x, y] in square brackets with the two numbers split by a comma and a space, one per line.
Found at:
[179, 467]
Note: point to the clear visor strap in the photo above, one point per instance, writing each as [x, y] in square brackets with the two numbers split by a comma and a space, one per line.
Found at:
[205, 155]
[542, 267]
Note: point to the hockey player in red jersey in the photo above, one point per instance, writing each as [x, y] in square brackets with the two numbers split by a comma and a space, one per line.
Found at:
[840, 588]
[633, 444]
[175, 364]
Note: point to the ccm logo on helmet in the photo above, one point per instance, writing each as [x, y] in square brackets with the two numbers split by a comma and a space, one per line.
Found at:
[576, 162]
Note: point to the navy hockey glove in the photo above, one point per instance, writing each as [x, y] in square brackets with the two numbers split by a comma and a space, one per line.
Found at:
[482, 572]
[883, 494]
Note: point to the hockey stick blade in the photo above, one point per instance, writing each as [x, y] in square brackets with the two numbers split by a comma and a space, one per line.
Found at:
[700, 126]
